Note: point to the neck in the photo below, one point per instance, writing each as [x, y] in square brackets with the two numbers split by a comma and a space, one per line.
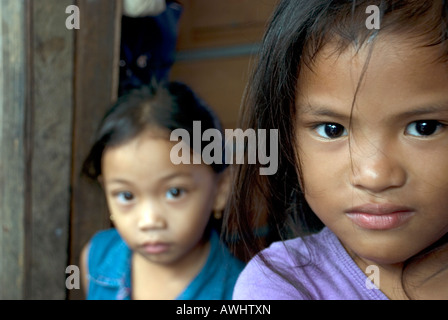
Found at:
[425, 278]
[387, 277]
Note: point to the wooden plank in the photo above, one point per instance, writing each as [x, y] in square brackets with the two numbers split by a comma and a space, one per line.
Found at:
[96, 86]
[52, 48]
[13, 145]
[220, 82]
[36, 82]
[215, 23]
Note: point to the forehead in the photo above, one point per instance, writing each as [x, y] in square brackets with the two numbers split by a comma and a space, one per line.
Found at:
[388, 67]
[146, 159]
[146, 148]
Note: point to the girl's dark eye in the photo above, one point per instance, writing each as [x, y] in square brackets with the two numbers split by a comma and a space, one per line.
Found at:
[330, 130]
[174, 193]
[423, 128]
[125, 197]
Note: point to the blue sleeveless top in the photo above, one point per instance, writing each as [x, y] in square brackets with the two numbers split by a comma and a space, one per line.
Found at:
[109, 270]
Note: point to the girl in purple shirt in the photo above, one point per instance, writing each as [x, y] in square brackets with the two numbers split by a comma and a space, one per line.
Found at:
[358, 208]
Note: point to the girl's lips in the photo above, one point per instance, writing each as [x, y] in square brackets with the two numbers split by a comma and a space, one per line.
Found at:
[380, 221]
[379, 216]
[155, 248]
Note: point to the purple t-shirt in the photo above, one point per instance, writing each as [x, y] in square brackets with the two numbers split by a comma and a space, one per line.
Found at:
[320, 266]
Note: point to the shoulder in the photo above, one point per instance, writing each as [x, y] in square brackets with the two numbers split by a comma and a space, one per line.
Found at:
[108, 266]
[298, 251]
[281, 271]
[314, 267]
[107, 235]
[101, 243]
[105, 249]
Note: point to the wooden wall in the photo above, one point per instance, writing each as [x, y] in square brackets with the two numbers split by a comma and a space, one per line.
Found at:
[55, 84]
[13, 192]
[35, 135]
[216, 47]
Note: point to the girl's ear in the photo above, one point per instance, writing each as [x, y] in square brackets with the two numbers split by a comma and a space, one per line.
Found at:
[223, 191]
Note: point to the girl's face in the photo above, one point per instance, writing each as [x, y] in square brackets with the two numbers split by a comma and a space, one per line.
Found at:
[377, 174]
[160, 209]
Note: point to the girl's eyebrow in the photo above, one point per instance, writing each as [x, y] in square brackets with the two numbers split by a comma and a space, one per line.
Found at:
[176, 175]
[163, 178]
[118, 181]
[423, 110]
[322, 110]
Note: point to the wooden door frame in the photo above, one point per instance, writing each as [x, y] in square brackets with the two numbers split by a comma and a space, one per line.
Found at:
[97, 52]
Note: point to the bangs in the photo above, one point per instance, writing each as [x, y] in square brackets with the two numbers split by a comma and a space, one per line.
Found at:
[344, 24]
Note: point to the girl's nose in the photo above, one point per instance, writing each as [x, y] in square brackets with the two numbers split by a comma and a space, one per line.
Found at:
[378, 170]
[150, 218]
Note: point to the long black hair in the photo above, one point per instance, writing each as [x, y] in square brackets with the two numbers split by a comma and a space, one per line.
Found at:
[166, 106]
[296, 33]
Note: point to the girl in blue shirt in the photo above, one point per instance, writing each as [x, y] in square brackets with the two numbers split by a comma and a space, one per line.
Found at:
[165, 243]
